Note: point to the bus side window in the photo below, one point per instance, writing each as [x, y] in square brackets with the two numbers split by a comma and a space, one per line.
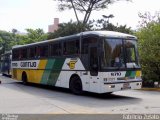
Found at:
[15, 55]
[85, 43]
[71, 47]
[37, 52]
[32, 52]
[93, 60]
[56, 49]
[64, 49]
[24, 53]
[20, 54]
[44, 51]
[77, 47]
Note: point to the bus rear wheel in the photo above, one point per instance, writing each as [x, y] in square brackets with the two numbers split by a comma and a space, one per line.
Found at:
[24, 78]
[76, 85]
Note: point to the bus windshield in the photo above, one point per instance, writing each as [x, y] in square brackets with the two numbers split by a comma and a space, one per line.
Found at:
[119, 53]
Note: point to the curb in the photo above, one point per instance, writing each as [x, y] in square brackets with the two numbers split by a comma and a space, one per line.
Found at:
[150, 89]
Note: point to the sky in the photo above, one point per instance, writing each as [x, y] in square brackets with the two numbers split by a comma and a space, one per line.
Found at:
[22, 14]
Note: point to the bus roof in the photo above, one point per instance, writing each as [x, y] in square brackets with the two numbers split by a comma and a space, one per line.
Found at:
[111, 34]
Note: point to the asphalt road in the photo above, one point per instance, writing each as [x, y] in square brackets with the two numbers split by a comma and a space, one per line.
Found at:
[34, 99]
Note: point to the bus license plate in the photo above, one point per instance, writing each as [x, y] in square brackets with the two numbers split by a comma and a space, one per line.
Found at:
[126, 86]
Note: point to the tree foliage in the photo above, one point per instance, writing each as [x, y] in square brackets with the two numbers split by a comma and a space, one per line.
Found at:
[5, 41]
[9, 39]
[35, 35]
[69, 28]
[84, 6]
[149, 46]
[104, 24]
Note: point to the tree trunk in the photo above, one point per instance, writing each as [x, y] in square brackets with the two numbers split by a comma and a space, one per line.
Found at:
[74, 11]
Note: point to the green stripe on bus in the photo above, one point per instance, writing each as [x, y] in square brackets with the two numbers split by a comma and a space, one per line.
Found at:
[130, 74]
[47, 71]
[54, 74]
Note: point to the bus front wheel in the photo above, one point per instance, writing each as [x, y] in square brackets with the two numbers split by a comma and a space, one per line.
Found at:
[76, 85]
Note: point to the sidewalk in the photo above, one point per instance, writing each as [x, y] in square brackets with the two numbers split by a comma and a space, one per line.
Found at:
[150, 89]
[6, 80]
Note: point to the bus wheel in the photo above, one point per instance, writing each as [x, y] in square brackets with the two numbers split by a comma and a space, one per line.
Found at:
[107, 94]
[75, 85]
[24, 78]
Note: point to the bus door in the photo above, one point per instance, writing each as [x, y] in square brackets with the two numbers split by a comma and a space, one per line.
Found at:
[93, 66]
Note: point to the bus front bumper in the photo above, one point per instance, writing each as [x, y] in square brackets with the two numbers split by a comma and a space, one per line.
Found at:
[118, 86]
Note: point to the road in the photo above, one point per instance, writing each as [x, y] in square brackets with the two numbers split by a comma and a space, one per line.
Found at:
[18, 98]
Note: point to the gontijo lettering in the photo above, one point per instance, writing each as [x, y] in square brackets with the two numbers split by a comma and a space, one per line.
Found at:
[25, 64]
[28, 64]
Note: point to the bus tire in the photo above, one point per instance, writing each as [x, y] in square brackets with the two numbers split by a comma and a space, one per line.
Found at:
[24, 78]
[75, 85]
[107, 94]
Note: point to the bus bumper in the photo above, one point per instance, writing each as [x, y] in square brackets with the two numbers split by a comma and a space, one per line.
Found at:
[112, 87]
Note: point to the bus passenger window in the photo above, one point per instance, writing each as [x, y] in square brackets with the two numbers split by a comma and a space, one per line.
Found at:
[85, 43]
[94, 61]
[15, 54]
[77, 47]
[64, 49]
[20, 54]
[43, 51]
[71, 47]
[32, 52]
[24, 53]
[37, 52]
[56, 49]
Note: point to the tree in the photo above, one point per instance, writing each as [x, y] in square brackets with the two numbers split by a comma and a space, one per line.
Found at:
[108, 17]
[30, 37]
[69, 28]
[9, 39]
[84, 6]
[14, 31]
[104, 24]
[147, 18]
[149, 46]
[5, 40]
[118, 28]
[35, 35]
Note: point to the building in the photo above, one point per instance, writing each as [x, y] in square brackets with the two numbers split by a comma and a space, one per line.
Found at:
[54, 26]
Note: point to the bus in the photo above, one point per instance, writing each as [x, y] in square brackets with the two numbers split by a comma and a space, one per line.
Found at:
[5, 64]
[93, 61]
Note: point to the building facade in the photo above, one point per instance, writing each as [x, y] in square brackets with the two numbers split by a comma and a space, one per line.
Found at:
[54, 26]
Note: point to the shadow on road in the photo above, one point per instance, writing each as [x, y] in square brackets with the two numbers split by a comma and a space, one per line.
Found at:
[85, 94]
[61, 95]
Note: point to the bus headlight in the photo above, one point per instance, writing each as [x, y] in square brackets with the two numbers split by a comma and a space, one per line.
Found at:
[111, 86]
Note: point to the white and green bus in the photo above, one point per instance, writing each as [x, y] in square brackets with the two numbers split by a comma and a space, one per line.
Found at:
[94, 61]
